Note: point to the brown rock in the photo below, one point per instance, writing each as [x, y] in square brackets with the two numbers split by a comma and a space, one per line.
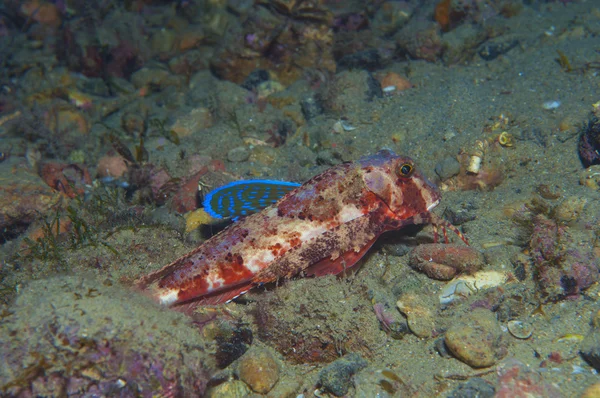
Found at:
[259, 370]
[444, 261]
[418, 312]
[476, 339]
[111, 166]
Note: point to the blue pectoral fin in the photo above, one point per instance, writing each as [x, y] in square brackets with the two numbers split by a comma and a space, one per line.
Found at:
[242, 198]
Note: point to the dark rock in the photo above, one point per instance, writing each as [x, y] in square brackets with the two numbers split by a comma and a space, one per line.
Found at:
[232, 342]
[495, 47]
[474, 388]
[460, 216]
[311, 107]
[590, 348]
[589, 143]
[368, 59]
[337, 376]
[255, 78]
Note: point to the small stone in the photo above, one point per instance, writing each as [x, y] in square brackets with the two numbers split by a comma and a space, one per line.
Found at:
[162, 41]
[232, 340]
[418, 314]
[230, 389]
[238, 154]
[155, 77]
[475, 387]
[311, 107]
[337, 376]
[133, 123]
[259, 370]
[476, 339]
[447, 168]
[255, 78]
[196, 120]
[111, 166]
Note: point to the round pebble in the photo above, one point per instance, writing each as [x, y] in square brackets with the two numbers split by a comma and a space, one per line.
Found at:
[230, 389]
[238, 154]
[447, 167]
[258, 370]
[476, 339]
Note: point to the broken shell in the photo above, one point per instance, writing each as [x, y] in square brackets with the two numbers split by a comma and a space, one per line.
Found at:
[466, 285]
[474, 164]
[520, 329]
[506, 140]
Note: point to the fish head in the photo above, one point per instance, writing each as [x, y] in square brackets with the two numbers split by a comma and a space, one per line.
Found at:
[399, 183]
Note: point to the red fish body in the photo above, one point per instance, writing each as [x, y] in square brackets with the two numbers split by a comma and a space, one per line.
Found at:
[322, 227]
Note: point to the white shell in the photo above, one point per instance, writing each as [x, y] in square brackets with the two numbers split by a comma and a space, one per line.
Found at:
[550, 105]
[474, 164]
[466, 285]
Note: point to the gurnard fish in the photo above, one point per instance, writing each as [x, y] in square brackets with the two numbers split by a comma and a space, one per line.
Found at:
[322, 227]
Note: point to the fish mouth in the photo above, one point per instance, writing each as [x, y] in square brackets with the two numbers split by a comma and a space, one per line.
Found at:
[431, 206]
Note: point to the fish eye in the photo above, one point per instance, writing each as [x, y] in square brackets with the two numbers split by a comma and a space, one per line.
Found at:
[405, 169]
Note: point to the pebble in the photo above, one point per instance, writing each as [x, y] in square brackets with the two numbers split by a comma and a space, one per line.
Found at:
[475, 387]
[311, 107]
[447, 168]
[259, 370]
[476, 339]
[337, 376]
[196, 120]
[238, 154]
[230, 389]
[418, 314]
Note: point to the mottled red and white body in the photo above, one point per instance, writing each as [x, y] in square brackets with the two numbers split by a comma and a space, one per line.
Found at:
[322, 227]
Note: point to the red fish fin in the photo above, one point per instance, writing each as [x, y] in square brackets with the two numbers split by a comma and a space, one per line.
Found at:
[226, 295]
[340, 264]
